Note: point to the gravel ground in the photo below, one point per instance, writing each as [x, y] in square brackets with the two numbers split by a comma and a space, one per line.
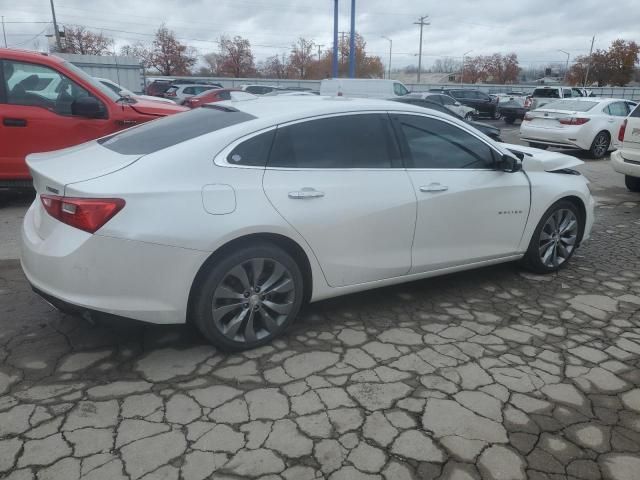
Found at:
[492, 374]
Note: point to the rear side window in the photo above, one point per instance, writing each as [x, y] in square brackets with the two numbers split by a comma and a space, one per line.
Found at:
[618, 109]
[350, 141]
[546, 93]
[253, 152]
[166, 132]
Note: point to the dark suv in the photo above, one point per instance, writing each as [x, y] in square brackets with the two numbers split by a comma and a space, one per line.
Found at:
[482, 102]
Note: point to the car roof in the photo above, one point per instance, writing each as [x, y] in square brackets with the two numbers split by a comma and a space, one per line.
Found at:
[29, 55]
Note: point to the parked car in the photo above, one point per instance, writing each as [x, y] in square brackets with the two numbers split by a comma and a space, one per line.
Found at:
[584, 123]
[180, 93]
[259, 89]
[476, 99]
[152, 228]
[215, 95]
[511, 107]
[626, 159]
[363, 88]
[543, 95]
[47, 103]
[489, 130]
[194, 81]
[157, 87]
[123, 92]
[448, 102]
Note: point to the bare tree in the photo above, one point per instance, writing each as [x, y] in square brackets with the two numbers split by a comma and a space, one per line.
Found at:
[274, 67]
[235, 58]
[168, 55]
[78, 39]
[302, 57]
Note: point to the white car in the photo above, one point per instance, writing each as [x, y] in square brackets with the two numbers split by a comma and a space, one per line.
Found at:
[123, 92]
[236, 213]
[181, 92]
[626, 159]
[586, 123]
[448, 102]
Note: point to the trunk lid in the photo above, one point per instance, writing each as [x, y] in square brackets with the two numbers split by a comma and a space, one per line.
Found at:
[53, 171]
[536, 160]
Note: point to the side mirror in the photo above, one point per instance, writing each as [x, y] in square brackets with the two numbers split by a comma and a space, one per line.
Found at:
[509, 164]
[88, 107]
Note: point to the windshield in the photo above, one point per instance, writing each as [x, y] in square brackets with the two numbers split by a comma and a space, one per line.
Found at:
[92, 81]
[570, 105]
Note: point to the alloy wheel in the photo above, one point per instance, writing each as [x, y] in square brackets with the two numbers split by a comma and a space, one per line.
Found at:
[253, 300]
[558, 238]
[600, 145]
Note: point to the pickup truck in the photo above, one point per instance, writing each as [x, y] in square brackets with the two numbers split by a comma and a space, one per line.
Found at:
[47, 103]
[543, 95]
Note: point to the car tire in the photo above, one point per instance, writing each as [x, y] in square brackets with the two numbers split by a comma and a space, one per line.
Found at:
[555, 239]
[469, 116]
[600, 145]
[248, 297]
[510, 120]
[541, 146]
[632, 183]
[496, 115]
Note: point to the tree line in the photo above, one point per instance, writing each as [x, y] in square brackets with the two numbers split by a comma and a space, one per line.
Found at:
[167, 55]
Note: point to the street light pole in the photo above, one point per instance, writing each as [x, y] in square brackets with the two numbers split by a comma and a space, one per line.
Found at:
[352, 42]
[334, 67]
[422, 23]
[55, 27]
[586, 76]
[566, 67]
[390, 52]
[462, 68]
[4, 34]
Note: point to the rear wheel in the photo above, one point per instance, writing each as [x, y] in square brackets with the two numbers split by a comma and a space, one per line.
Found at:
[632, 183]
[555, 238]
[600, 145]
[510, 120]
[496, 114]
[541, 146]
[469, 116]
[249, 297]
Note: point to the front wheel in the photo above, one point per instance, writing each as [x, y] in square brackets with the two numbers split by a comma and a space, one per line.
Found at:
[496, 114]
[469, 116]
[600, 145]
[248, 297]
[632, 183]
[555, 238]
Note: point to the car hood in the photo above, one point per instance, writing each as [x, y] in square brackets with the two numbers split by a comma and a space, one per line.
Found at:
[536, 160]
[53, 171]
[159, 109]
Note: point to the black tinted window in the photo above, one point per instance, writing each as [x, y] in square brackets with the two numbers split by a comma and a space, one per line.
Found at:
[546, 93]
[353, 141]
[253, 152]
[436, 144]
[169, 131]
[224, 95]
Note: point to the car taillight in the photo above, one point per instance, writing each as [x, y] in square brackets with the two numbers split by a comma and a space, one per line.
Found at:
[88, 214]
[623, 129]
[573, 121]
[528, 117]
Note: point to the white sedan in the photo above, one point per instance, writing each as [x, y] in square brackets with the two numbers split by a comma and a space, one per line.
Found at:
[236, 213]
[448, 102]
[586, 123]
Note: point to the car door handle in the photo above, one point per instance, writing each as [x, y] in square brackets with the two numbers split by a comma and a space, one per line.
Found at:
[14, 122]
[434, 187]
[306, 193]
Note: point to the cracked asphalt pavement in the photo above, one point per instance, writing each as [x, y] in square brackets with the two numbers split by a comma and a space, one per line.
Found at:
[490, 374]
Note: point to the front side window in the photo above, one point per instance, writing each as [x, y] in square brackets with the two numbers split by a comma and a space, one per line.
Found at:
[566, 93]
[35, 85]
[636, 112]
[350, 141]
[433, 143]
[399, 89]
[253, 152]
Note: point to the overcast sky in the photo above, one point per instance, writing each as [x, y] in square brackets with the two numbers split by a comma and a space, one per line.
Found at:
[534, 29]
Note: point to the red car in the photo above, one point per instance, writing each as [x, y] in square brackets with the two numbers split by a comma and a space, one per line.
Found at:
[210, 96]
[46, 103]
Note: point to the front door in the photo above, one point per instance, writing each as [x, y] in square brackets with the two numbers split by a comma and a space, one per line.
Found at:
[36, 115]
[467, 210]
[338, 181]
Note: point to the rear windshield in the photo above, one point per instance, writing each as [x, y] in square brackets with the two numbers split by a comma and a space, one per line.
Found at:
[546, 93]
[166, 132]
[571, 105]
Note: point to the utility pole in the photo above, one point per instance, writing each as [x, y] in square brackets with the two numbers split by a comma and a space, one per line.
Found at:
[352, 42]
[55, 27]
[334, 66]
[422, 23]
[319, 51]
[390, 50]
[462, 67]
[566, 67]
[586, 77]
[4, 34]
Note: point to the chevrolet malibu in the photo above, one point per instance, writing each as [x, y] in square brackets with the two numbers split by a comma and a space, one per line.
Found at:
[235, 214]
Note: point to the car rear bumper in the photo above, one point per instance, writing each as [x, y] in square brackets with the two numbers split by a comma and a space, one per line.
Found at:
[625, 166]
[125, 278]
[555, 137]
[512, 112]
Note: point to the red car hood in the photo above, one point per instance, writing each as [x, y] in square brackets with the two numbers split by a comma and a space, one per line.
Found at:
[161, 109]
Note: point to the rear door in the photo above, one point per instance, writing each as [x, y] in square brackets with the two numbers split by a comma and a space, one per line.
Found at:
[467, 210]
[338, 181]
[36, 115]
